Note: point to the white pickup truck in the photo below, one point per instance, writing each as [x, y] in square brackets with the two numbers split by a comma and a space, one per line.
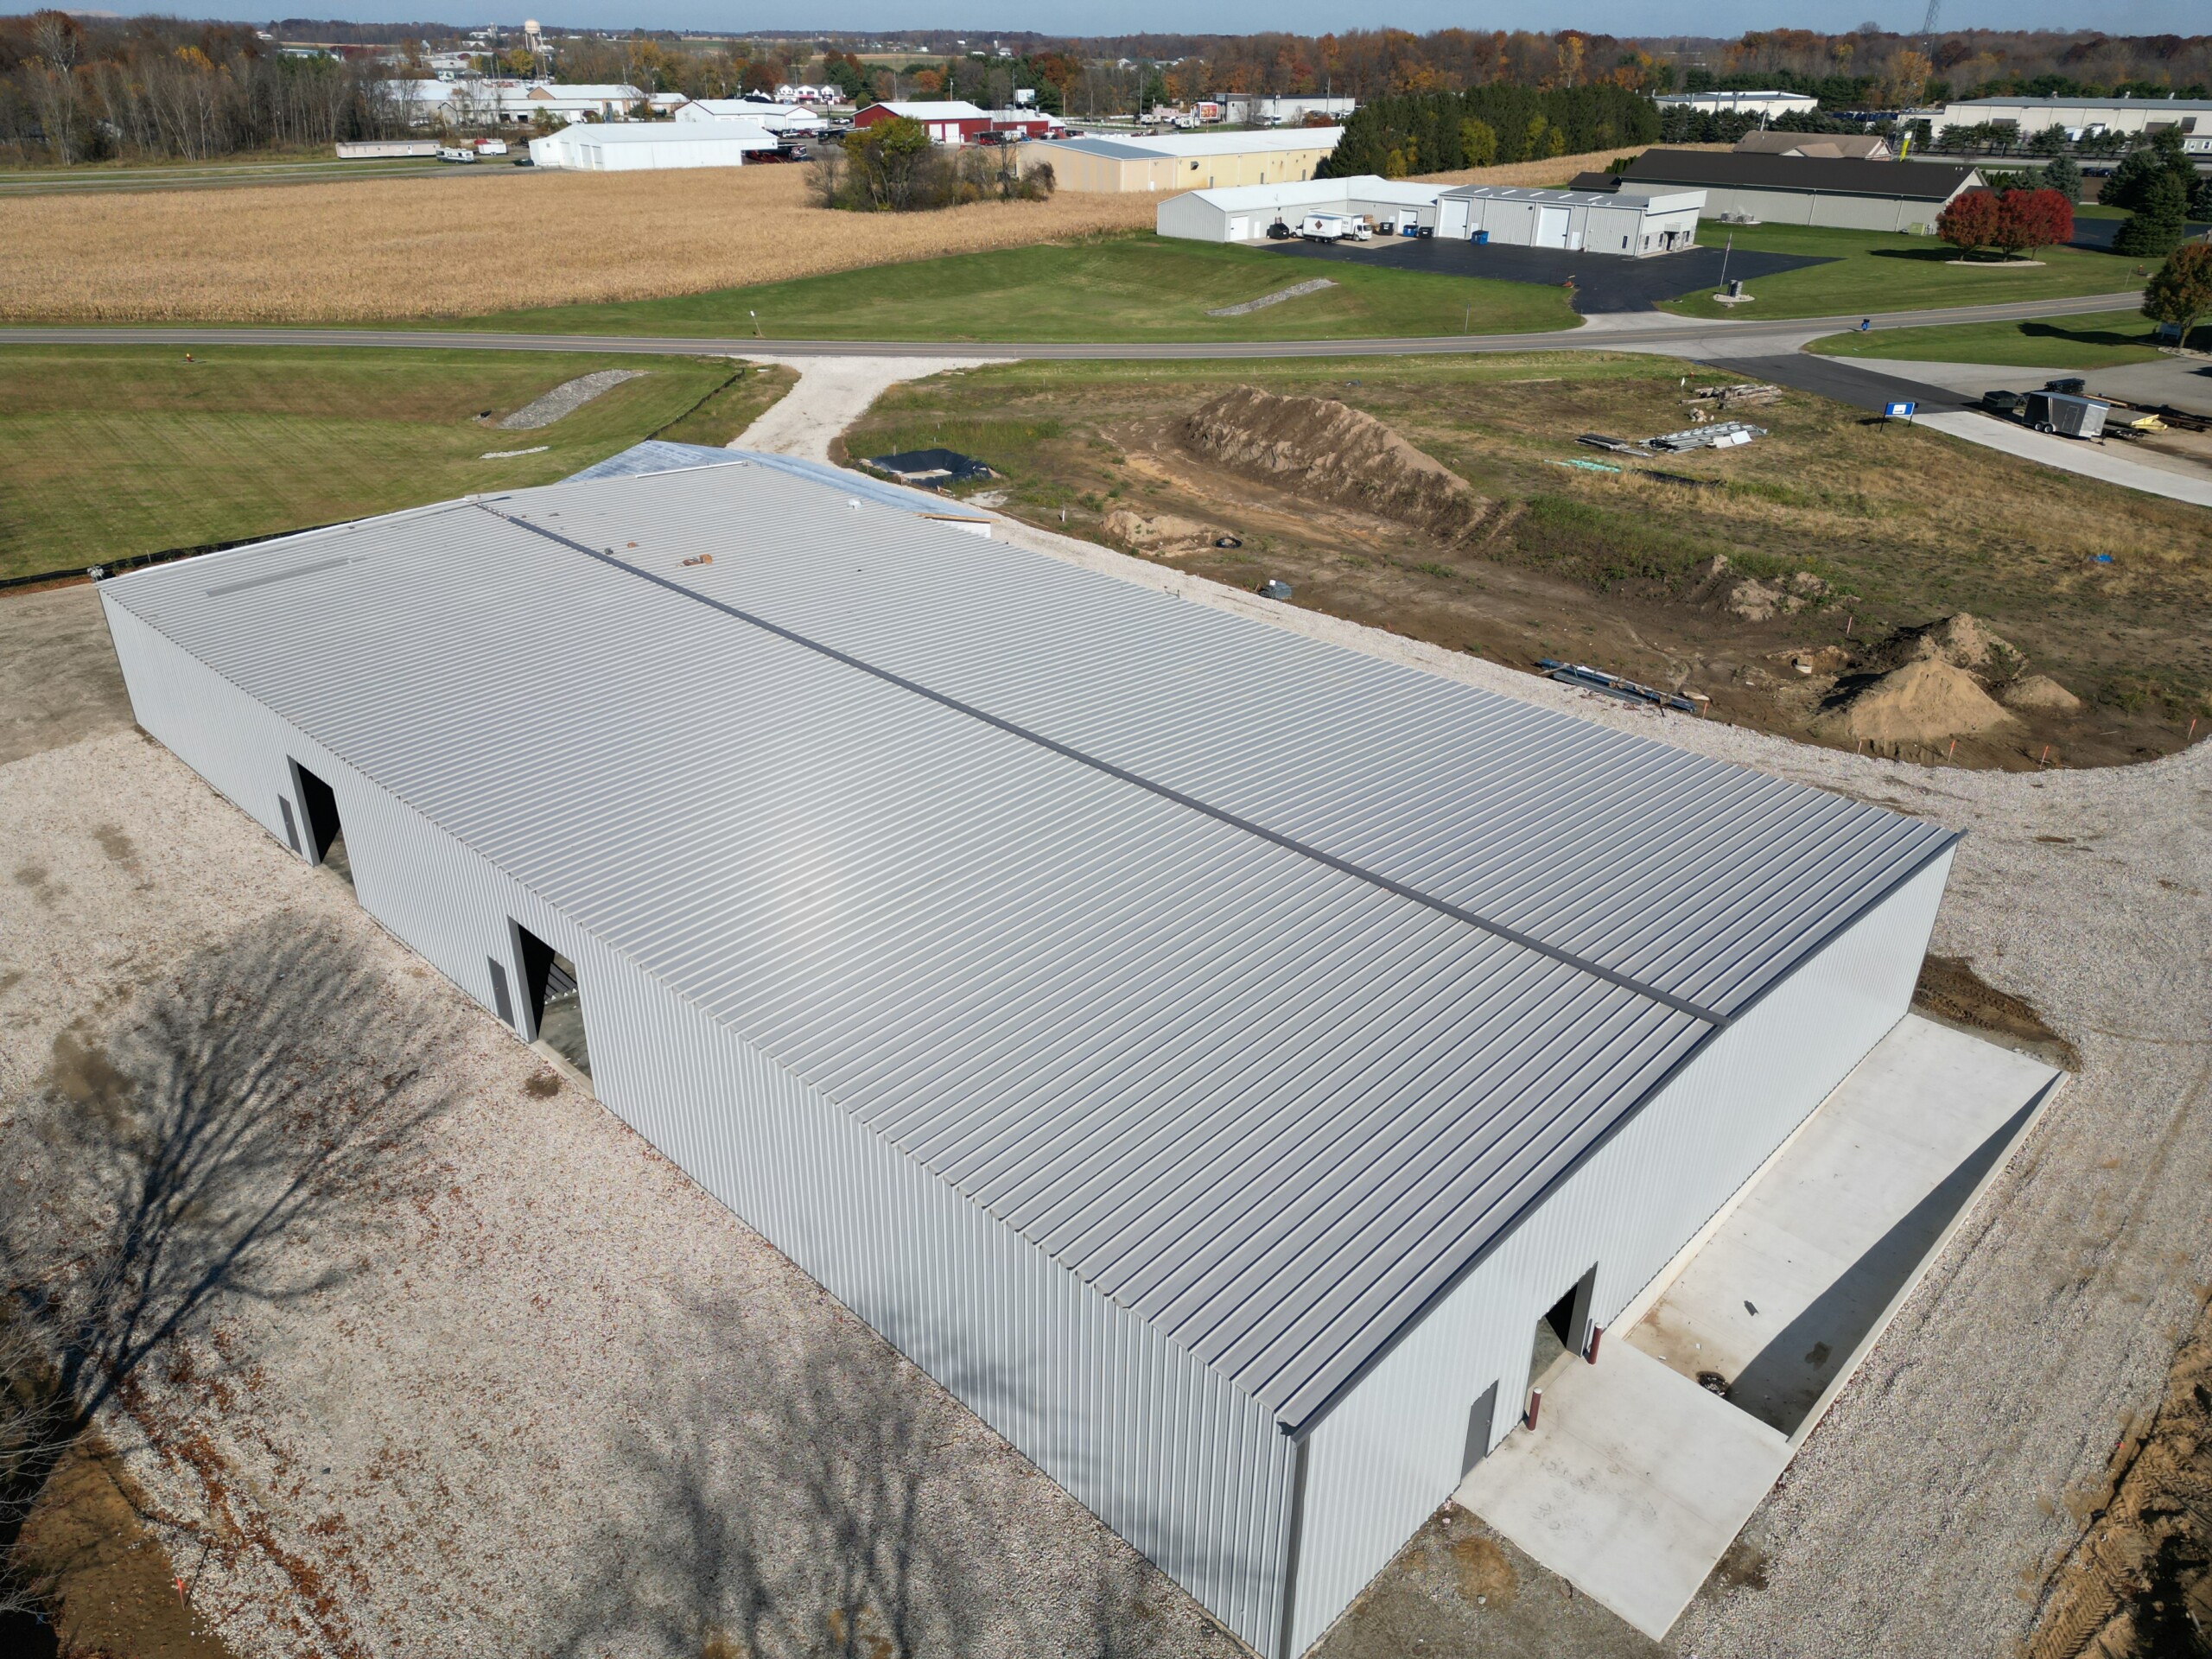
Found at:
[1334, 227]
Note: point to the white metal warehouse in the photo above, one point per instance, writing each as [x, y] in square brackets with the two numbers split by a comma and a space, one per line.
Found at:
[612, 147]
[1206, 1050]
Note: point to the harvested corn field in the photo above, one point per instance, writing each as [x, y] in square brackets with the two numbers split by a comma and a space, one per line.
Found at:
[365, 251]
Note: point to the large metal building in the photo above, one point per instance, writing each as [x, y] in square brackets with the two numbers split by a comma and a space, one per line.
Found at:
[1205, 1049]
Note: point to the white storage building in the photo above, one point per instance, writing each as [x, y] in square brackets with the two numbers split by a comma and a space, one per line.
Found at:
[621, 147]
[1243, 212]
[1206, 1050]
[1580, 221]
[1631, 223]
[790, 119]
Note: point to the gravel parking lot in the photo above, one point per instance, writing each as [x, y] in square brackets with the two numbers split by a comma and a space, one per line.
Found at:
[532, 1392]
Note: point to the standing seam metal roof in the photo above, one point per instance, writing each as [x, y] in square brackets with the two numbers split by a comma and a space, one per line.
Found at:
[1188, 947]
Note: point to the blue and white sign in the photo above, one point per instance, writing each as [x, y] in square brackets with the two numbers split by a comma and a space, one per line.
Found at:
[1904, 410]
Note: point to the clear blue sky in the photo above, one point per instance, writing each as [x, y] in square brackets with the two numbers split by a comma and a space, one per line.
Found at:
[1720, 17]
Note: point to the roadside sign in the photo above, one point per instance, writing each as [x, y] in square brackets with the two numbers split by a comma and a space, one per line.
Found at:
[1903, 411]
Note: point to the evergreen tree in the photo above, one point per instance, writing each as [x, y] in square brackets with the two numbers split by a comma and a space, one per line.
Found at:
[2063, 174]
[2156, 226]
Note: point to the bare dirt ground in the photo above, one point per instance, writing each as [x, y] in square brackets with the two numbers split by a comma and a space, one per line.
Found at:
[538, 1394]
[1766, 578]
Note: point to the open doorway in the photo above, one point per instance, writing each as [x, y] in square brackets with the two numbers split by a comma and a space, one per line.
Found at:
[1562, 1333]
[555, 999]
[325, 838]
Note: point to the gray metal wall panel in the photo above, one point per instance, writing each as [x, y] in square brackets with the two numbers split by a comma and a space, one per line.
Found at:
[1161, 1448]
[1388, 1453]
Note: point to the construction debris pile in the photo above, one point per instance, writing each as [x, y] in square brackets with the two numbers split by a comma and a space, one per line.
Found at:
[1716, 435]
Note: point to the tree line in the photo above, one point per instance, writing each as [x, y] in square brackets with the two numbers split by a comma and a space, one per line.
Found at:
[1440, 132]
[84, 89]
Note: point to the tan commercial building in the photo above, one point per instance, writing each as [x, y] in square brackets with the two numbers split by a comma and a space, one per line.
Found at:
[1196, 161]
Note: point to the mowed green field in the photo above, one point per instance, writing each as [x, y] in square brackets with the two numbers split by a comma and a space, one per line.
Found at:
[2098, 339]
[1137, 287]
[106, 452]
[1871, 271]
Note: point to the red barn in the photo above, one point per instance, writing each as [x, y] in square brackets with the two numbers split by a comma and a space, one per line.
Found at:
[948, 121]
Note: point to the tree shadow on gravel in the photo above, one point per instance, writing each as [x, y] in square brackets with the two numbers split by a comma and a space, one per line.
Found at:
[232, 1140]
[808, 1491]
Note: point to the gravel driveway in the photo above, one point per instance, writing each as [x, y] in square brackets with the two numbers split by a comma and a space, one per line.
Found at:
[537, 1393]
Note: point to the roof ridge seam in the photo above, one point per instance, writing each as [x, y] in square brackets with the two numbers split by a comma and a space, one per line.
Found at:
[1712, 1017]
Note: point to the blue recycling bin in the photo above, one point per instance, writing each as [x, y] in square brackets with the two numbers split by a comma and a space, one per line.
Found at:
[1481, 237]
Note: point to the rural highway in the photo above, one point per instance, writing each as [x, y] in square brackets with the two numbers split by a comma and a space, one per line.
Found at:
[1640, 331]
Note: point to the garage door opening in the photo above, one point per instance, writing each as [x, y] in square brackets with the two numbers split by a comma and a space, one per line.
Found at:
[326, 842]
[556, 1001]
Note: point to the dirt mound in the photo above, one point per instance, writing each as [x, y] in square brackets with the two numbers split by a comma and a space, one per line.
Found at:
[1925, 702]
[1960, 639]
[2141, 1582]
[1950, 990]
[1718, 585]
[2039, 694]
[1165, 535]
[1320, 446]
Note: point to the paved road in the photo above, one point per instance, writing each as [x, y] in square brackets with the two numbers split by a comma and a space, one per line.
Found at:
[1647, 331]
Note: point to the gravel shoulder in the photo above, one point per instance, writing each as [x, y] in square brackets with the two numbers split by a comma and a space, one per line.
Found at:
[553, 1399]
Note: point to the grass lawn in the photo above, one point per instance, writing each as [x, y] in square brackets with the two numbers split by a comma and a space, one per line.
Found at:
[108, 451]
[1904, 524]
[2100, 340]
[1876, 273]
[1136, 287]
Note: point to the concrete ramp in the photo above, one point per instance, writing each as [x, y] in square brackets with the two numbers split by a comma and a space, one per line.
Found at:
[1632, 1484]
[1636, 1478]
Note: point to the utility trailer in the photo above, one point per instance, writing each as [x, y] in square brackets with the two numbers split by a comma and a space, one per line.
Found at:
[2066, 414]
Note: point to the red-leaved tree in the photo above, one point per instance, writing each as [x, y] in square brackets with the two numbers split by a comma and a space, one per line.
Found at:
[1970, 221]
[2030, 219]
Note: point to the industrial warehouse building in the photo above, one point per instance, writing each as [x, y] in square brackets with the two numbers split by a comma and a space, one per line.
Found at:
[1206, 1050]
[604, 147]
[1631, 223]
[1842, 195]
[1625, 222]
[1119, 163]
[2081, 117]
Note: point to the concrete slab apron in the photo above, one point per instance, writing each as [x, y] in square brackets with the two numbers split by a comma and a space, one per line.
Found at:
[1633, 1484]
[1637, 1479]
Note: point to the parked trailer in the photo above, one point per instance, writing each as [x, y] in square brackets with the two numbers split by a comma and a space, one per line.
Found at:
[2066, 415]
[389, 149]
[456, 153]
[490, 146]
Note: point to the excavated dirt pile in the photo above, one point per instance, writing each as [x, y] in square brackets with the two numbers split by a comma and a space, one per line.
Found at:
[1320, 446]
[2139, 1584]
[1951, 678]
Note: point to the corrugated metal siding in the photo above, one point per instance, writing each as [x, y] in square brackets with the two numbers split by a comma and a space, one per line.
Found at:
[1387, 1454]
[1164, 1449]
